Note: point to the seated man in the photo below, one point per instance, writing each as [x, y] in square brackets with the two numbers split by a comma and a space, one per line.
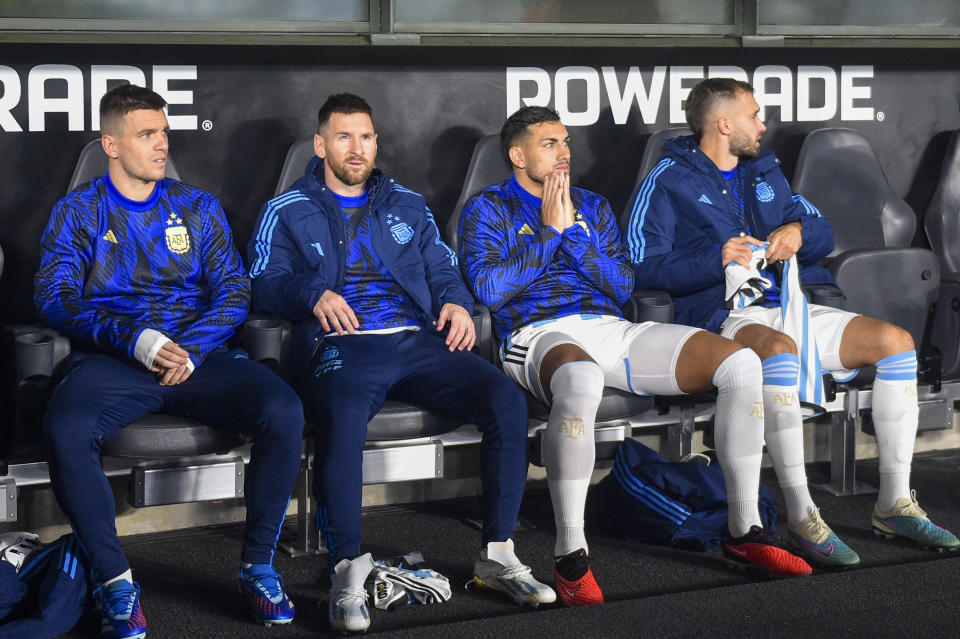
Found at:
[548, 261]
[702, 209]
[380, 312]
[141, 272]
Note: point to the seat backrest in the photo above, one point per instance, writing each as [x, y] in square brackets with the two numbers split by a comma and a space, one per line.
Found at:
[294, 165]
[651, 153]
[486, 167]
[839, 173]
[942, 220]
[92, 163]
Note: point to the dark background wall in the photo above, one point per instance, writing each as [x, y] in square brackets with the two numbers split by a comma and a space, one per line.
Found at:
[430, 107]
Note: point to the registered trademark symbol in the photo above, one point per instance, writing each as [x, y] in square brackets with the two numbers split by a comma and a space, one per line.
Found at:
[206, 125]
[880, 116]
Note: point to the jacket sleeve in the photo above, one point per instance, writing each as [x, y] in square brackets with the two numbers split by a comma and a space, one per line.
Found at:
[65, 255]
[442, 271]
[496, 267]
[282, 285]
[229, 300]
[816, 233]
[659, 260]
[607, 269]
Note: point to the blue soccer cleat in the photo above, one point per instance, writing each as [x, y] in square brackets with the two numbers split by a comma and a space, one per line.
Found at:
[121, 614]
[262, 587]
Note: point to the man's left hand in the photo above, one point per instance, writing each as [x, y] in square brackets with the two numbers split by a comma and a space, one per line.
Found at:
[462, 333]
[784, 242]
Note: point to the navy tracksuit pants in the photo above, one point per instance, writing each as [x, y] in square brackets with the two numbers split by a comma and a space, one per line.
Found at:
[348, 381]
[100, 394]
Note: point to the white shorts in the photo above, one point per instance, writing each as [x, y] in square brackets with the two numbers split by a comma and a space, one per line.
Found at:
[608, 341]
[828, 326]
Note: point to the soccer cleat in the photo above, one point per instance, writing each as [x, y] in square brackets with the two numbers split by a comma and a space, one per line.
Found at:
[814, 541]
[121, 615]
[262, 587]
[574, 580]
[499, 569]
[348, 599]
[758, 549]
[907, 519]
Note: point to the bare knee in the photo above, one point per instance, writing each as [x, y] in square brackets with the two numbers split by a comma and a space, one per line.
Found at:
[893, 339]
[765, 342]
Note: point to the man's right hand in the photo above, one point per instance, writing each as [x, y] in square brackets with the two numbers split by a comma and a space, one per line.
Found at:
[554, 209]
[334, 312]
[737, 249]
[170, 364]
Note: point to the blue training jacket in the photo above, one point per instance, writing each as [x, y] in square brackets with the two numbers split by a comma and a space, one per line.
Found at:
[297, 252]
[111, 267]
[683, 214]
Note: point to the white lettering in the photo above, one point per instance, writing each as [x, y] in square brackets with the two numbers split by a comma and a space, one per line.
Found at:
[647, 100]
[679, 93]
[100, 76]
[727, 72]
[806, 112]
[516, 75]
[782, 98]
[562, 80]
[11, 97]
[849, 92]
[41, 105]
[161, 77]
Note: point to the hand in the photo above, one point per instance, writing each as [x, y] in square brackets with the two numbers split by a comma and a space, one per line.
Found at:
[170, 364]
[332, 310]
[553, 210]
[737, 249]
[784, 242]
[462, 333]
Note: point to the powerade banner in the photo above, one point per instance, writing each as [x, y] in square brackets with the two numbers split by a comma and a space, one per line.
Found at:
[234, 111]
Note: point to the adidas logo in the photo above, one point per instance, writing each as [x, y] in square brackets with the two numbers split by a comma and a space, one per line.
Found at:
[705, 199]
[525, 230]
[110, 237]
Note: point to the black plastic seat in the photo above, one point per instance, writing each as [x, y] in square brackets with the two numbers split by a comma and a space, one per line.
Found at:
[942, 226]
[295, 164]
[878, 271]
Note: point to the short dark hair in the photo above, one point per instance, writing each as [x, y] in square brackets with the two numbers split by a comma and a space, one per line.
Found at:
[345, 103]
[707, 95]
[516, 126]
[122, 99]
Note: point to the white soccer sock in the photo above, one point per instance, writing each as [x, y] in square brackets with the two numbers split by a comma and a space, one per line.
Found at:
[738, 435]
[895, 414]
[783, 433]
[128, 575]
[568, 449]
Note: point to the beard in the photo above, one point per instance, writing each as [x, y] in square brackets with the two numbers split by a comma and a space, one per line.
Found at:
[540, 176]
[743, 146]
[347, 174]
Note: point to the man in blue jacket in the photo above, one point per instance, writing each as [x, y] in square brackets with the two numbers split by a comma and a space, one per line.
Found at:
[141, 272]
[701, 210]
[380, 312]
[548, 260]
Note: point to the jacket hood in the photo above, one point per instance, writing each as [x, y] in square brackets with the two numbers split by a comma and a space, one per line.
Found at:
[685, 150]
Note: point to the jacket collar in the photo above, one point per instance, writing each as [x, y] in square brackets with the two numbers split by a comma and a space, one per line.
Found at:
[378, 185]
[686, 151]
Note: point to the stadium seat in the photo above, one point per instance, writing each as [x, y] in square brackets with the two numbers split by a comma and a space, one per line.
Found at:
[93, 163]
[295, 164]
[651, 154]
[942, 226]
[878, 271]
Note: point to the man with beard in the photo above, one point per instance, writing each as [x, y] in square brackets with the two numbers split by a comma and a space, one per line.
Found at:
[380, 312]
[701, 210]
[548, 260]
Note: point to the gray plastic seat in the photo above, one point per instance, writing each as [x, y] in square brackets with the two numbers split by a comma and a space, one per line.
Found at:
[942, 227]
[874, 265]
[651, 154]
[154, 435]
[92, 163]
[295, 164]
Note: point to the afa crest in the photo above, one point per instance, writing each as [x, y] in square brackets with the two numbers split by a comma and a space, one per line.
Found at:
[402, 232]
[764, 192]
[178, 240]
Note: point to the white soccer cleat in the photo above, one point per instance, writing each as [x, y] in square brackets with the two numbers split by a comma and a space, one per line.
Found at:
[499, 569]
[348, 598]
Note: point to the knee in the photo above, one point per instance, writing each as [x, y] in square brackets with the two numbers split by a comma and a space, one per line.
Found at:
[893, 340]
[740, 369]
[507, 402]
[778, 344]
[282, 415]
[67, 432]
[580, 378]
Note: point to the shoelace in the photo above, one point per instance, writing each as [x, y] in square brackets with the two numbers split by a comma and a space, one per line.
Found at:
[520, 570]
[821, 530]
[351, 595]
[119, 602]
[270, 584]
[914, 506]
